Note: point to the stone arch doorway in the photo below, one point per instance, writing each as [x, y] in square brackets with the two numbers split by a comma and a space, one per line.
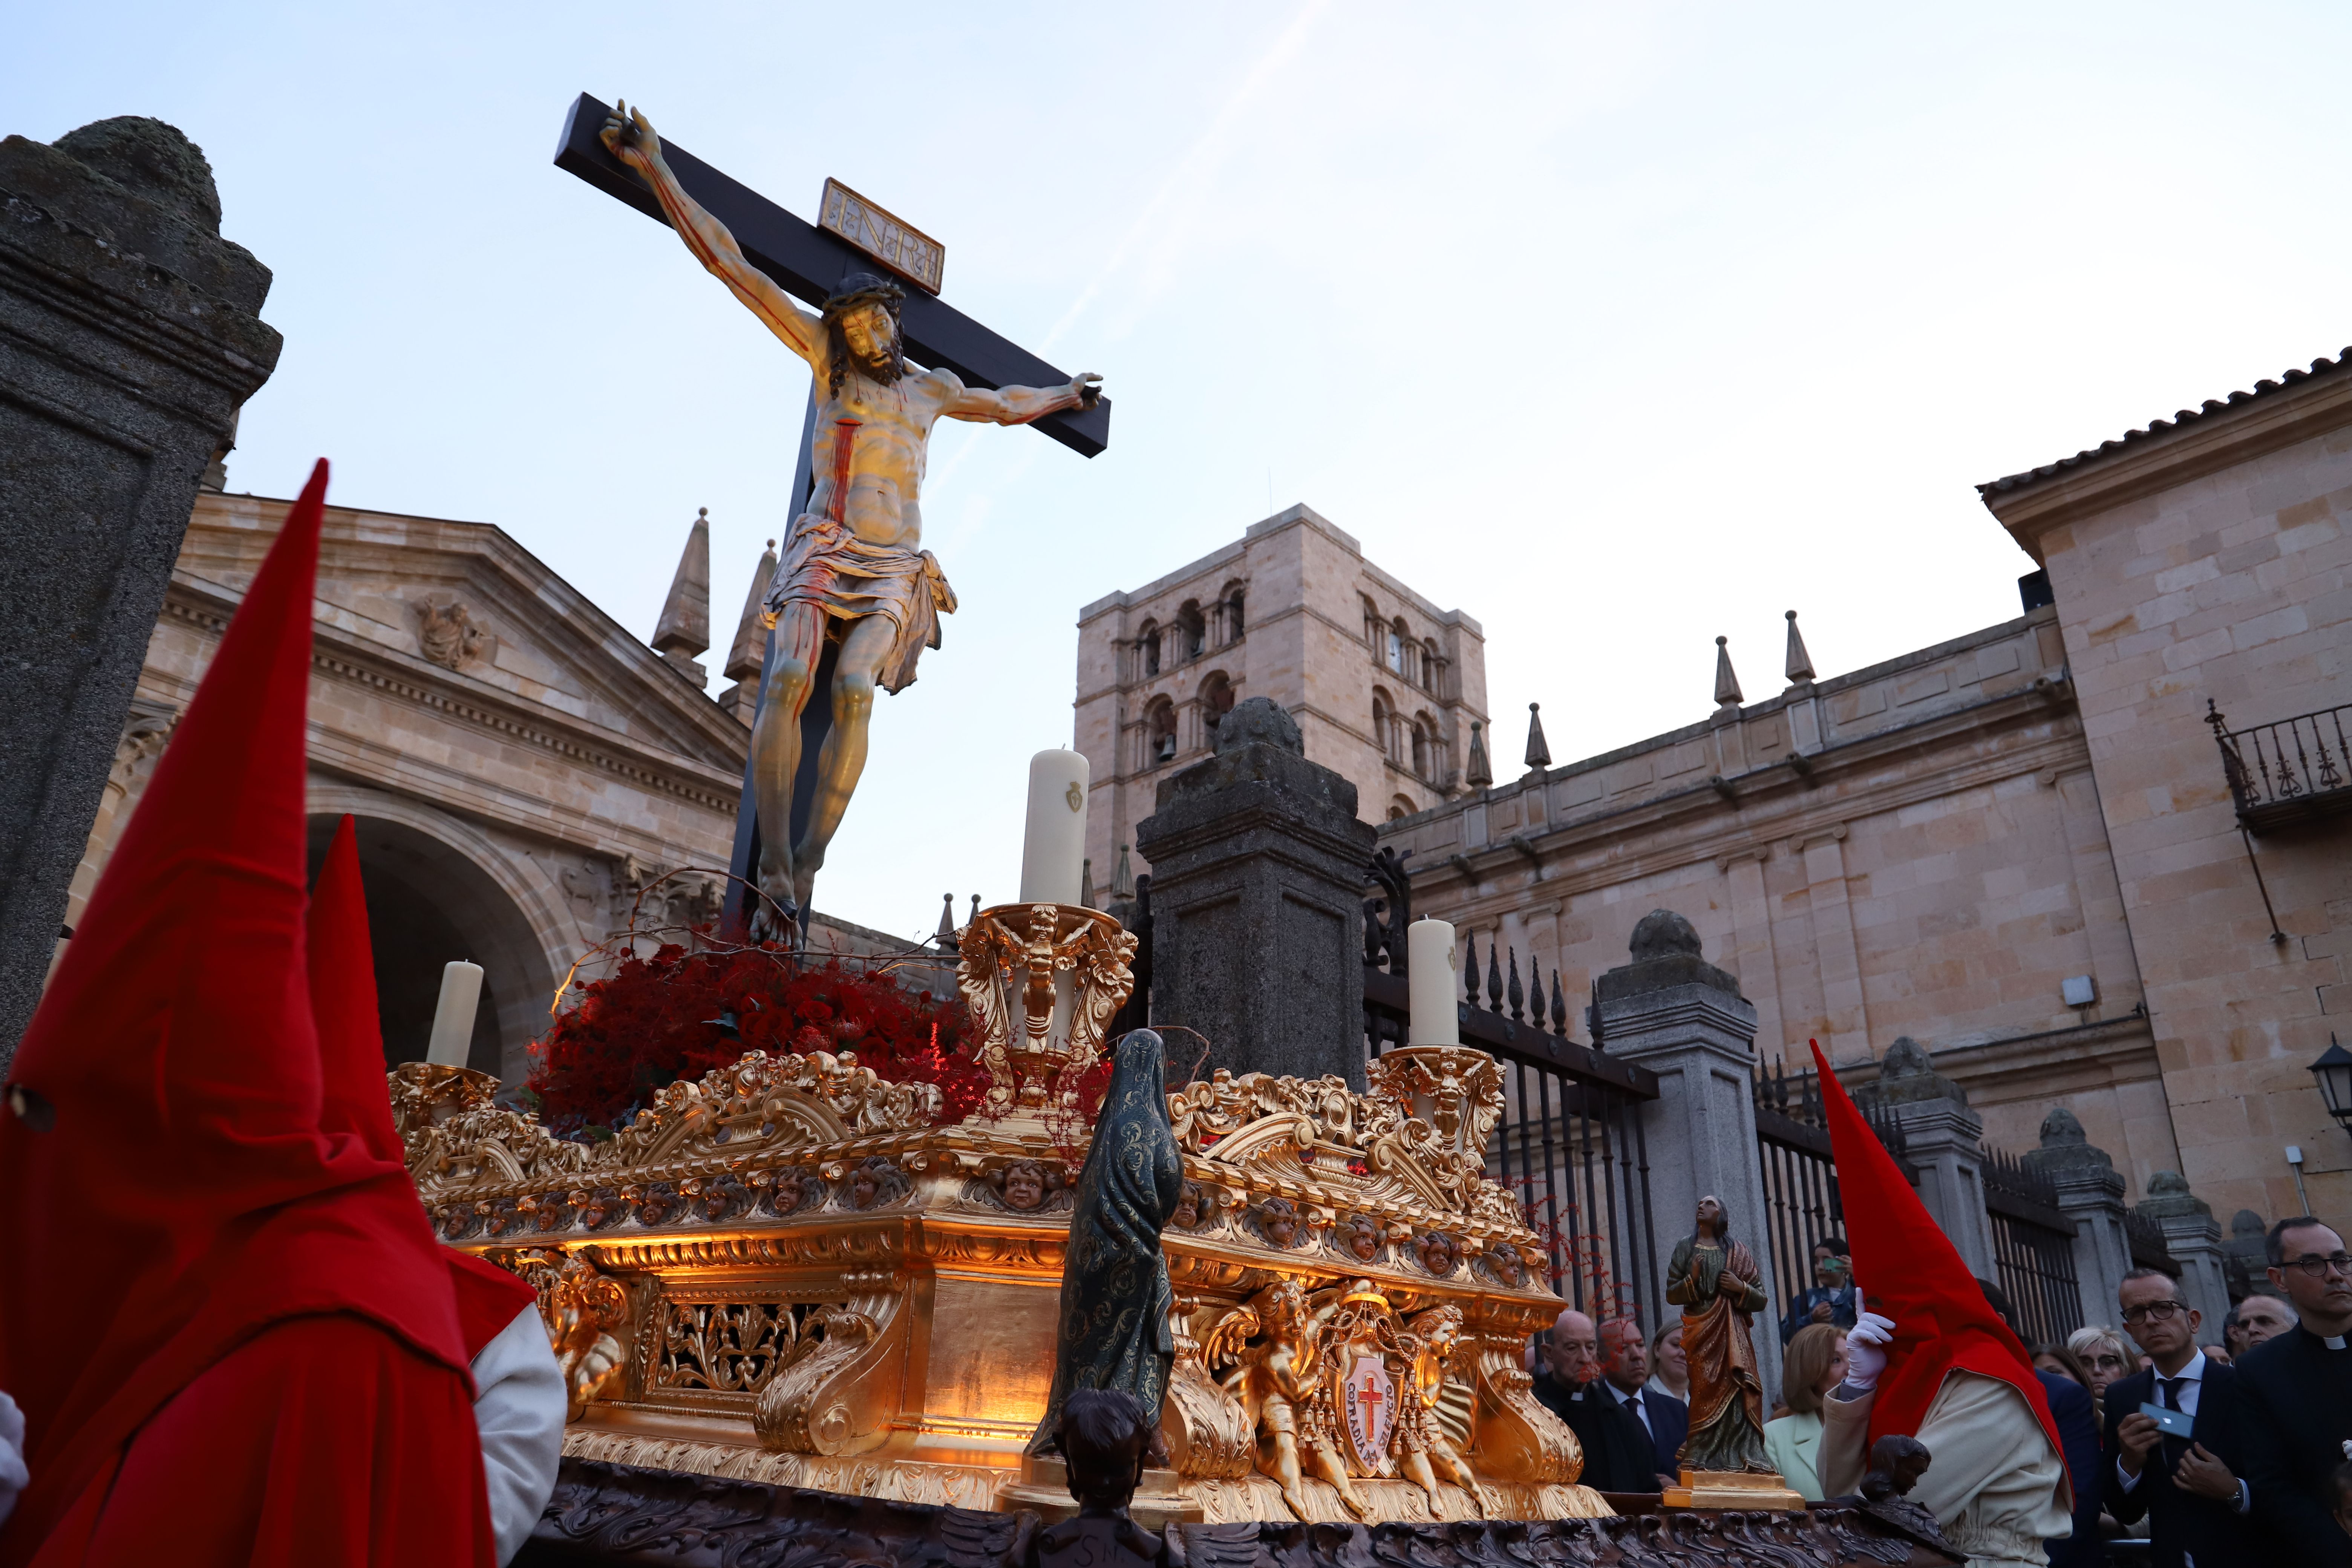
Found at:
[429, 902]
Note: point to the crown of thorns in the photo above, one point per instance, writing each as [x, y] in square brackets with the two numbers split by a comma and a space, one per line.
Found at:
[864, 288]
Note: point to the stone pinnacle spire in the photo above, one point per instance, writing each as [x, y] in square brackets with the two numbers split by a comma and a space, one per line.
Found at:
[750, 647]
[1539, 753]
[1726, 684]
[684, 629]
[1801, 663]
[1478, 772]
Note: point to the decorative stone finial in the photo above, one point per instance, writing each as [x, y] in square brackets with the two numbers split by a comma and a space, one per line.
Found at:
[1801, 663]
[1906, 1074]
[1539, 753]
[1726, 684]
[1122, 877]
[2063, 1129]
[751, 648]
[150, 159]
[2168, 1197]
[1259, 719]
[1663, 933]
[1479, 773]
[2246, 1221]
[945, 937]
[2066, 1147]
[684, 629]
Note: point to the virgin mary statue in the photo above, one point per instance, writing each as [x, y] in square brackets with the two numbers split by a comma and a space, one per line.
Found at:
[1116, 1298]
[1715, 1282]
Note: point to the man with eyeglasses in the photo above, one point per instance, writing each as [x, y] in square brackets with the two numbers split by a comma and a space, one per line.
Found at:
[2187, 1487]
[2296, 1395]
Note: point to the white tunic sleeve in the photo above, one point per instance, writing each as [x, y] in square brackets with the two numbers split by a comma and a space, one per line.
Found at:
[13, 1476]
[520, 1412]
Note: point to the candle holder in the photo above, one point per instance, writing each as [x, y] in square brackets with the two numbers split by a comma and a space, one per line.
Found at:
[1045, 981]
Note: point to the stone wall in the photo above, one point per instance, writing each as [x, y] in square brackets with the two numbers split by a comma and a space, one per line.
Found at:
[1912, 849]
[2207, 562]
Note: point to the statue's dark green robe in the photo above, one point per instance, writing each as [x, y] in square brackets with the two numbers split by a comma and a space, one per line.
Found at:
[1116, 1298]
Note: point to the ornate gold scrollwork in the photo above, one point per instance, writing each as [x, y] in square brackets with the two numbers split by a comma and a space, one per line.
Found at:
[584, 1309]
[763, 1102]
[1517, 1439]
[1207, 1432]
[1010, 956]
[453, 1136]
[838, 1389]
[727, 1347]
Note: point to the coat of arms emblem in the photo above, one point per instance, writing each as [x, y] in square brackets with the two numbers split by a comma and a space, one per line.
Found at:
[1371, 1411]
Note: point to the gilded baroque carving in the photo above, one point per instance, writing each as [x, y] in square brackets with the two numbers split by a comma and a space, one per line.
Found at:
[818, 1401]
[584, 1309]
[763, 1102]
[1010, 956]
[727, 1347]
[455, 1137]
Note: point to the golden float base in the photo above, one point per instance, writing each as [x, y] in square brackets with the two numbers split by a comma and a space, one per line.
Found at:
[1732, 1490]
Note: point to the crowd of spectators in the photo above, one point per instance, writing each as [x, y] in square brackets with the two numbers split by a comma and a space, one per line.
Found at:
[2187, 1445]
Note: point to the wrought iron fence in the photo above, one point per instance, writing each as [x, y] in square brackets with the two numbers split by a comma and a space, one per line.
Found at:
[1799, 1174]
[2287, 772]
[2033, 1247]
[1570, 1142]
[2148, 1248]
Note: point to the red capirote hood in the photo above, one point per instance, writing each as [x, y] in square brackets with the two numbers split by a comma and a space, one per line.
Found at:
[350, 1049]
[176, 1187]
[1910, 1271]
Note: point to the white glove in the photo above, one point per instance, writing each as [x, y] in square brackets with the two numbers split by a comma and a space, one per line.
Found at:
[1865, 1348]
[14, 1477]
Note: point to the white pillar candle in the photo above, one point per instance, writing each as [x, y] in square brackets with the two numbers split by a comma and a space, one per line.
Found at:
[1429, 973]
[453, 1016]
[1056, 842]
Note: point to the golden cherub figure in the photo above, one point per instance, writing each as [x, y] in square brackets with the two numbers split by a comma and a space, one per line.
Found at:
[1284, 1387]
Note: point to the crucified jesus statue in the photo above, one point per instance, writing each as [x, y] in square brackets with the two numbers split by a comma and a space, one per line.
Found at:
[852, 569]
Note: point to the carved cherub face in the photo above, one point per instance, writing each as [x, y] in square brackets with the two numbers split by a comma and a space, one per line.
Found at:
[1025, 1186]
[1188, 1207]
[1508, 1266]
[1363, 1237]
[1280, 1221]
[1437, 1252]
[864, 1188]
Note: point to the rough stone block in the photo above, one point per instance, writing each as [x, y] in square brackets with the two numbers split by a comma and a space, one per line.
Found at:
[129, 339]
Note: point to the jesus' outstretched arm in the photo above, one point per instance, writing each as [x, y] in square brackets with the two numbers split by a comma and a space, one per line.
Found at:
[1016, 405]
[629, 136]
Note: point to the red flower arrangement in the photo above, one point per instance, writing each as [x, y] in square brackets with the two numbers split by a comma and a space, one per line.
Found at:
[657, 1020]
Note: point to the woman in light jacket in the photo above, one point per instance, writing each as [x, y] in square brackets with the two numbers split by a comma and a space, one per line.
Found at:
[1813, 1364]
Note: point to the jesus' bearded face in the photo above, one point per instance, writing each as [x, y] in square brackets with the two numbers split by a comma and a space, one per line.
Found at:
[872, 336]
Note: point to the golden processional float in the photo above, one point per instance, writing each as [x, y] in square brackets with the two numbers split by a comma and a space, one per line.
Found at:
[791, 1271]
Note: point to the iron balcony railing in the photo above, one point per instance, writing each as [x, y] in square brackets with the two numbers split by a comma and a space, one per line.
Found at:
[2295, 769]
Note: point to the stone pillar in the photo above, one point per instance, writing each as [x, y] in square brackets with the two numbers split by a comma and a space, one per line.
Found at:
[1671, 1011]
[1259, 867]
[1945, 1140]
[2194, 1239]
[2091, 1192]
[129, 337]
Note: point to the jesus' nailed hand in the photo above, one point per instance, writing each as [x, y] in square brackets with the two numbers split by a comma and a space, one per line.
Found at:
[853, 554]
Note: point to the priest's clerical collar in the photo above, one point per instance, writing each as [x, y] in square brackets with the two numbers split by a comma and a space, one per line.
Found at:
[2332, 1341]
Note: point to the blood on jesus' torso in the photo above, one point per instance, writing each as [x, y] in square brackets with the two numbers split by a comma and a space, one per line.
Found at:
[868, 452]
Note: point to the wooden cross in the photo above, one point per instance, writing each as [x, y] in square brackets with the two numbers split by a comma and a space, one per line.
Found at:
[809, 263]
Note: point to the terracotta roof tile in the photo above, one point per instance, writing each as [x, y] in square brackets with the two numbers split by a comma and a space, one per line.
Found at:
[2161, 426]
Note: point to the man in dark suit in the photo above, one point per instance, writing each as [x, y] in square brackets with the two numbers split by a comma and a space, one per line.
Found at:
[1832, 1298]
[2187, 1488]
[2295, 1396]
[1620, 1454]
[2078, 1433]
[1664, 1421]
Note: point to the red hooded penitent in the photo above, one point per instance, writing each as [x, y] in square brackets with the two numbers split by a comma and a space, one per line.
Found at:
[351, 1049]
[1910, 1271]
[230, 1329]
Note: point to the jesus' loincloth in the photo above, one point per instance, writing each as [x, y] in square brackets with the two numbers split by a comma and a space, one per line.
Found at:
[826, 565]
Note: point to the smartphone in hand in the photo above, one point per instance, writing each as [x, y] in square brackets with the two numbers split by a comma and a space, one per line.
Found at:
[2171, 1423]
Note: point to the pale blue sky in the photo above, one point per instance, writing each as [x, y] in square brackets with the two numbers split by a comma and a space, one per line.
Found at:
[1617, 326]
